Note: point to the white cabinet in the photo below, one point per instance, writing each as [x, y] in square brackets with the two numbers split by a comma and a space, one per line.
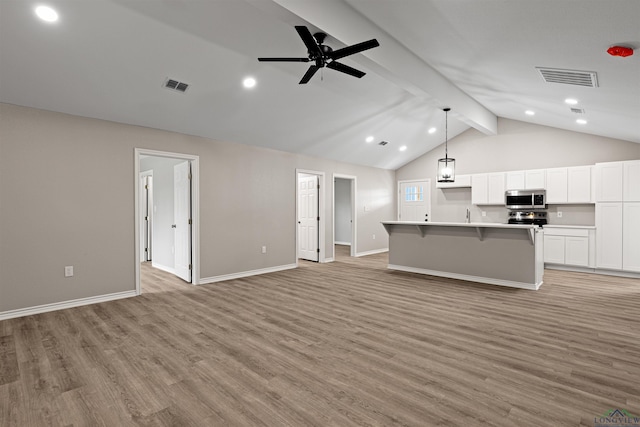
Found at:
[579, 184]
[569, 246]
[608, 181]
[487, 189]
[557, 186]
[460, 182]
[515, 180]
[631, 236]
[609, 235]
[534, 179]
[631, 181]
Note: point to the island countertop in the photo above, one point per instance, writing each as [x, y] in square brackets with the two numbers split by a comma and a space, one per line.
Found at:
[494, 253]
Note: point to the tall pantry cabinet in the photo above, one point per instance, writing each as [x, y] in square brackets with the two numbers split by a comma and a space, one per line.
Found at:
[618, 215]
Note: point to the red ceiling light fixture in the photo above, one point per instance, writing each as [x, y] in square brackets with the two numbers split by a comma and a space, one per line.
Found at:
[620, 51]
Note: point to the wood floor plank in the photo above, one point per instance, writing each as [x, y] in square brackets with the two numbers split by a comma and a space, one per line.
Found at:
[348, 343]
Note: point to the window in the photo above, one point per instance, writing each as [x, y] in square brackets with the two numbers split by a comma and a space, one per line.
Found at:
[413, 193]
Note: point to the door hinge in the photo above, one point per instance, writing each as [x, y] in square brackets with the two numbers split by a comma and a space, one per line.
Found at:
[146, 218]
[190, 267]
[318, 250]
[189, 221]
[318, 218]
[318, 186]
[146, 187]
[146, 250]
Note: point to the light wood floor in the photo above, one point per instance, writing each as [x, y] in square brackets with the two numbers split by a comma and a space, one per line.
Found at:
[339, 344]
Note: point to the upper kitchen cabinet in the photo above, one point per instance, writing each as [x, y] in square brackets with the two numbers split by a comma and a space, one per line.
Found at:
[618, 181]
[525, 180]
[608, 181]
[569, 185]
[488, 188]
[631, 181]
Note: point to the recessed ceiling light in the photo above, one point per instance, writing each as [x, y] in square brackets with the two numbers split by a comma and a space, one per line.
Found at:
[249, 82]
[432, 130]
[369, 139]
[571, 101]
[581, 121]
[46, 13]
[403, 148]
[530, 113]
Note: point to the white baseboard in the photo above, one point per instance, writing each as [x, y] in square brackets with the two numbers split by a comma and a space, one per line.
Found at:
[373, 252]
[343, 243]
[21, 312]
[242, 274]
[489, 280]
[329, 260]
[169, 270]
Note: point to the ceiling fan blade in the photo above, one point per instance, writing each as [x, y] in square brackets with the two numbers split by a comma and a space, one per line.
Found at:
[283, 59]
[307, 76]
[308, 40]
[356, 48]
[345, 69]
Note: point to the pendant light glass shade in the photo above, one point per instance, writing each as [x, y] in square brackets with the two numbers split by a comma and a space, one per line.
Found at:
[446, 166]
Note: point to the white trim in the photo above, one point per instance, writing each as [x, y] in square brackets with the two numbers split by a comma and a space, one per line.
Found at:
[329, 260]
[242, 274]
[45, 308]
[578, 269]
[354, 212]
[195, 209]
[321, 212]
[169, 270]
[373, 252]
[489, 280]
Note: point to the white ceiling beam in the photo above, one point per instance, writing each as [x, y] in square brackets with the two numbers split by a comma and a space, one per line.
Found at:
[393, 61]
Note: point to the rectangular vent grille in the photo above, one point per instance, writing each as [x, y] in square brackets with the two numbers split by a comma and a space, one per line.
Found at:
[569, 77]
[383, 143]
[176, 85]
[577, 110]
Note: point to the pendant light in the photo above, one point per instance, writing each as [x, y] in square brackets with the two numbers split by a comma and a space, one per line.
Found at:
[446, 166]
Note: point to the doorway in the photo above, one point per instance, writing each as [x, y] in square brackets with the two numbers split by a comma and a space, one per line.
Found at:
[414, 200]
[173, 206]
[344, 215]
[310, 222]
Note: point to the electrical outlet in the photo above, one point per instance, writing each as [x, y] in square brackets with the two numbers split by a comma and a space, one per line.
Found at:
[264, 249]
[374, 237]
[559, 214]
[68, 271]
[484, 213]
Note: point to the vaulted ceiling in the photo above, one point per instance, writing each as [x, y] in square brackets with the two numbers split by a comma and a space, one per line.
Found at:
[109, 59]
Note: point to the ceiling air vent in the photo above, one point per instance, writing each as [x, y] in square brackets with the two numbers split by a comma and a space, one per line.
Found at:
[577, 110]
[383, 143]
[569, 77]
[176, 85]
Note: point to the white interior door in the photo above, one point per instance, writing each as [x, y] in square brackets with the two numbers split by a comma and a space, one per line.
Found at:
[308, 217]
[414, 202]
[182, 219]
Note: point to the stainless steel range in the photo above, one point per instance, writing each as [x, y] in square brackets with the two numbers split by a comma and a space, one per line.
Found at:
[528, 217]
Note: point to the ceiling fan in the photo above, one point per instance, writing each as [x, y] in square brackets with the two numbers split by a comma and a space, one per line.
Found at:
[324, 56]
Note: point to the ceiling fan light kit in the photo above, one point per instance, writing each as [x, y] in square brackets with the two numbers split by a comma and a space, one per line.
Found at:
[447, 165]
[324, 56]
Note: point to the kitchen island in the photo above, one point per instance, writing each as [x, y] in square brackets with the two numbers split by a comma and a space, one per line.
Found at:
[498, 254]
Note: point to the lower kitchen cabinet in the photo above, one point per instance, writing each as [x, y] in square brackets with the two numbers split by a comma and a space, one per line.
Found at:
[609, 235]
[573, 246]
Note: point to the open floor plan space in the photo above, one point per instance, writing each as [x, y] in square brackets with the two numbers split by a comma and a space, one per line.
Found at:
[344, 343]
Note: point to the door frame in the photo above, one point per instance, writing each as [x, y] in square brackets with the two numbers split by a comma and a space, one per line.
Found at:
[321, 212]
[428, 187]
[195, 209]
[354, 216]
[143, 175]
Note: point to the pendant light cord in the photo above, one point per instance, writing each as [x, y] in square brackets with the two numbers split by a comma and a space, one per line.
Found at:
[446, 132]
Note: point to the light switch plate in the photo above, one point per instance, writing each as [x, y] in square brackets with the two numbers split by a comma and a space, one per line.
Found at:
[68, 271]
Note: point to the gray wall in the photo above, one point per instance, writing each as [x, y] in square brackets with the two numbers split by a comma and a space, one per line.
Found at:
[343, 210]
[53, 166]
[517, 146]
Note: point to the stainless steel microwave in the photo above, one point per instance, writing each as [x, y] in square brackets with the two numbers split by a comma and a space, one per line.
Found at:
[525, 199]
